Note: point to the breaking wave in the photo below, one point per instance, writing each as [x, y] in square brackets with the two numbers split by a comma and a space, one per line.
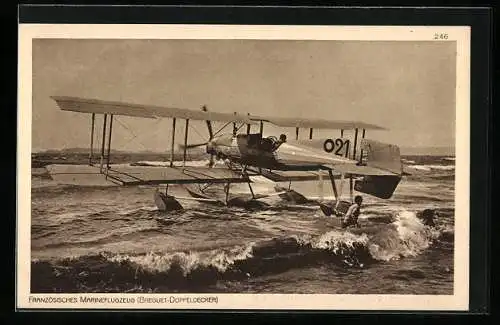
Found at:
[193, 270]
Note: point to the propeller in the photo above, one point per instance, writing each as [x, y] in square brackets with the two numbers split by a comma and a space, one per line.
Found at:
[210, 137]
[192, 146]
[197, 145]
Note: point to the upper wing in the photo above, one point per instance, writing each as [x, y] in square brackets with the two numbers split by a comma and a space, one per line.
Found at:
[86, 105]
[316, 123]
[101, 107]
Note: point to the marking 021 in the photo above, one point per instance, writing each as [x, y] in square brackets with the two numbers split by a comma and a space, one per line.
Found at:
[338, 146]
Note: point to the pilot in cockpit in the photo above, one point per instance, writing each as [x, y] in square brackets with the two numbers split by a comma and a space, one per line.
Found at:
[278, 143]
[271, 143]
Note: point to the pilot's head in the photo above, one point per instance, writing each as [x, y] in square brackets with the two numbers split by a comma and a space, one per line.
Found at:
[358, 199]
[283, 138]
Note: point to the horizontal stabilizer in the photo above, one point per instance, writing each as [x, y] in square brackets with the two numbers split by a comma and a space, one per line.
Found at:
[379, 186]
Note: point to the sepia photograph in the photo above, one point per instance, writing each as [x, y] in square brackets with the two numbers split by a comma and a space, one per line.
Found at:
[245, 165]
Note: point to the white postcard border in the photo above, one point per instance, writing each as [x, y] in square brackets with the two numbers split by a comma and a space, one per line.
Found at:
[458, 301]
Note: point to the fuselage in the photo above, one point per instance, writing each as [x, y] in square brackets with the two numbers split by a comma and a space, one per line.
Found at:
[269, 152]
[248, 149]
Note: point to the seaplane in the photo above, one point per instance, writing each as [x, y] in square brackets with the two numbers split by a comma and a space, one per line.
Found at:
[370, 166]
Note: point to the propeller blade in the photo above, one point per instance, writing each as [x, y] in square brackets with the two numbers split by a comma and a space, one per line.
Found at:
[191, 146]
[209, 125]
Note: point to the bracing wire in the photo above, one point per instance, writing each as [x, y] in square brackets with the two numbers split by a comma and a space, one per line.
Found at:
[196, 131]
[134, 135]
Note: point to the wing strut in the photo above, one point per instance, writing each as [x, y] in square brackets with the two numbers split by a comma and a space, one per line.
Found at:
[185, 142]
[355, 144]
[172, 143]
[296, 133]
[261, 127]
[103, 140]
[92, 139]
[248, 126]
[310, 133]
[361, 155]
[351, 184]
[109, 139]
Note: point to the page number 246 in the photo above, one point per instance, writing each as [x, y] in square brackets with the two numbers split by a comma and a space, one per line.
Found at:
[440, 36]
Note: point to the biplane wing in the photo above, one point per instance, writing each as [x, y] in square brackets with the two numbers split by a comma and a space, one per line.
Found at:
[97, 106]
[295, 161]
[316, 123]
[127, 175]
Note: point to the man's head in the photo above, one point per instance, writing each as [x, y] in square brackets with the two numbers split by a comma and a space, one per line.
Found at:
[428, 213]
[428, 216]
[358, 199]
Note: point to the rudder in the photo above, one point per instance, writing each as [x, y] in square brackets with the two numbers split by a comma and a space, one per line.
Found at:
[383, 156]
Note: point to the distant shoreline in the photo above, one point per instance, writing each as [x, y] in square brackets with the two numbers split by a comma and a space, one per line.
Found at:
[436, 152]
[73, 157]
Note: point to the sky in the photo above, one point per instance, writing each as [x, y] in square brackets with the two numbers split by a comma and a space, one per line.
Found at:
[407, 87]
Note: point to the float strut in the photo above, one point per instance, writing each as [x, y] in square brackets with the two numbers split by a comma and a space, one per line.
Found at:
[251, 190]
[334, 187]
[227, 191]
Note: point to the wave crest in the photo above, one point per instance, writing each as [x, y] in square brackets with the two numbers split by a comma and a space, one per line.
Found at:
[409, 237]
[186, 261]
[191, 270]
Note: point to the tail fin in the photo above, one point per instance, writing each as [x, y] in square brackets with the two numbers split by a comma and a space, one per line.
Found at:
[383, 156]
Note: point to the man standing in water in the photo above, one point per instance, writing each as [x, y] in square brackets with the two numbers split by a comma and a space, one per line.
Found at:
[352, 214]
